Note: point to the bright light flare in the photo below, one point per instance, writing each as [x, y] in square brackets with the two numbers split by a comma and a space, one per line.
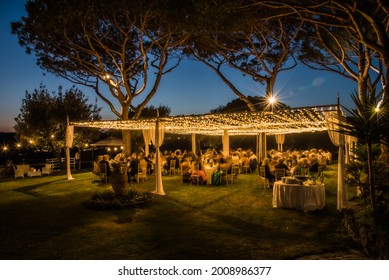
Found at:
[272, 100]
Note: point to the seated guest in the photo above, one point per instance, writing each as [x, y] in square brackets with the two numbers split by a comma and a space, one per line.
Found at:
[186, 167]
[268, 174]
[314, 166]
[281, 165]
[301, 163]
[200, 172]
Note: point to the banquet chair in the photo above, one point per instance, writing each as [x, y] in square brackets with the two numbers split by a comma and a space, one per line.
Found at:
[195, 179]
[19, 172]
[263, 181]
[185, 178]
[305, 171]
[141, 174]
[47, 169]
[172, 167]
[236, 168]
[246, 169]
[224, 176]
[279, 173]
[103, 175]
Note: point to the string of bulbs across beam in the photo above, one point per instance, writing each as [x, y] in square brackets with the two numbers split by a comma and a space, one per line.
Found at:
[283, 121]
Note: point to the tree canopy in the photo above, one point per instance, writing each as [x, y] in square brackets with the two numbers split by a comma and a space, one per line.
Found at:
[43, 118]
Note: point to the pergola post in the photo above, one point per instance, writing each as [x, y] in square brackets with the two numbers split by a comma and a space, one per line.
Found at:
[261, 146]
[193, 143]
[158, 174]
[69, 144]
[226, 143]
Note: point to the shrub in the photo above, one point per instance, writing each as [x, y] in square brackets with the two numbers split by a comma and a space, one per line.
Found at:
[108, 199]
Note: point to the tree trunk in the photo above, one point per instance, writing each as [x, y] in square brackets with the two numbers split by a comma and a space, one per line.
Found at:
[371, 179]
[126, 134]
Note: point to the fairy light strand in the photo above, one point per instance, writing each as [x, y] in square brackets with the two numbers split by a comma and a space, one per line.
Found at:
[246, 123]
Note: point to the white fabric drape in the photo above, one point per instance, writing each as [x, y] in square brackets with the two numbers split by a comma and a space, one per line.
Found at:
[261, 146]
[338, 140]
[146, 139]
[226, 143]
[349, 146]
[157, 136]
[194, 143]
[68, 145]
[280, 139]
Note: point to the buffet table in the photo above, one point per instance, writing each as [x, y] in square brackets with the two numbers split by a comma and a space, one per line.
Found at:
[303, 197]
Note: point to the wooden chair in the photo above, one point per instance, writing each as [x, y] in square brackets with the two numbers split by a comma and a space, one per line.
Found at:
[263, 181]
[142, 173]
[172, 167]
[279, 173]
[185, 178]
[305, 171]
[246, 169]
[195, 179]
[225, 176]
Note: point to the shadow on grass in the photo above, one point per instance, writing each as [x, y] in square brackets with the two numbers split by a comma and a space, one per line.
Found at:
[190, 222]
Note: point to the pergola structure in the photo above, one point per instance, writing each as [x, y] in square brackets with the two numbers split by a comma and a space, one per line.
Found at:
[279, 122]
[285, 121]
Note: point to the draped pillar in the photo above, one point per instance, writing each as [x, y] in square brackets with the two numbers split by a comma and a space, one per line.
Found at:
[69, 144]
[146, 139]
[157, 136]
[226, 143]
[193, 143]
[280, 139]
[261, 146]
[338, 140]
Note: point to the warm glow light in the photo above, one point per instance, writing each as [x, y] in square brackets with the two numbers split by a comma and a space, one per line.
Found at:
[86, 145]
[245, 123]
[5, 148]
[272, 100]
[30, 141]
[377, 109]
[18, 145]
[115, 149]
[52, 136]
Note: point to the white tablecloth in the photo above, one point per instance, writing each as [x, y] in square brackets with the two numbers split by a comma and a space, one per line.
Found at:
[302, 197]
[209, 171]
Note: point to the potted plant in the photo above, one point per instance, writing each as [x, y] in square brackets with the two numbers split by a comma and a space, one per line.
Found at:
[118, 179]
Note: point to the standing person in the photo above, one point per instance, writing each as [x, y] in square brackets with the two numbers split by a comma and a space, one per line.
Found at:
[105, 161]
[77, 160]
[133, 170]
[253, 162]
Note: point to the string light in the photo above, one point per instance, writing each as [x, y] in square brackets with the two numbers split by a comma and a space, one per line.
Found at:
[246, 123]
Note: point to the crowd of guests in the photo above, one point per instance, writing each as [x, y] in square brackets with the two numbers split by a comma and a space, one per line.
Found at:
[238, 161]
[130, 165]
[294, 162]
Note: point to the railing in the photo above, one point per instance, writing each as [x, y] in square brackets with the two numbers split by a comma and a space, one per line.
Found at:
[57, 163]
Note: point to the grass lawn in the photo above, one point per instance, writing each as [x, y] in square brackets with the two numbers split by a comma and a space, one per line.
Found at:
[43, 218]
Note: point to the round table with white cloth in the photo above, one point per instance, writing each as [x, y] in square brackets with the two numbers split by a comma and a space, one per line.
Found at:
[303, 197]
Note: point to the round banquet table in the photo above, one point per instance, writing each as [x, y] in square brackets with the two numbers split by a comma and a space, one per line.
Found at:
[208, 172]
[302, 197]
